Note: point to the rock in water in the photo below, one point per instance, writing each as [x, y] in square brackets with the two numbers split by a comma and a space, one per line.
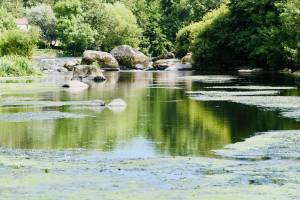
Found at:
[165, 63]
[187, 58]
[91, 72]
[97, 103]
[130, 57]
[104, 59]
[70, 65]
[117, 105]
[171, 65]
[168, 55]
[75, 84]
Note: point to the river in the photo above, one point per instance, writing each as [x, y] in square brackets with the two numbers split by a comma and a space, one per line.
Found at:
[181, 135]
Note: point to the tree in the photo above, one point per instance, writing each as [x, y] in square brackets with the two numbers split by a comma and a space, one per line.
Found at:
[122, 27]
[43, 16]
[68, 8]
[75, 34]
[290, 16]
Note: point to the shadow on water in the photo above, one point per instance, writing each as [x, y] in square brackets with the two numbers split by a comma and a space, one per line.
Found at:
[159, 118]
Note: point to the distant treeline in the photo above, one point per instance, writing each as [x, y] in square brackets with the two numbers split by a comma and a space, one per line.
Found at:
[221, 34]
[76, 25]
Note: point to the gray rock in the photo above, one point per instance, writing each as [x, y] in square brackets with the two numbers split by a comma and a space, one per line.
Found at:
[90, 72]
[130, 57]
[171, 65]
[168, 55]
[104, 59]
[55, 64]
[70, 65]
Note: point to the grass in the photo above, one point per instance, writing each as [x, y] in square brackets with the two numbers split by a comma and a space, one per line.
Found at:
[15, 66]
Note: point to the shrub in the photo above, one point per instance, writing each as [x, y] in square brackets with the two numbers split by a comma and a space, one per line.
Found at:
[7, 21]
[17, 66]
[186, 36]
[16, 42]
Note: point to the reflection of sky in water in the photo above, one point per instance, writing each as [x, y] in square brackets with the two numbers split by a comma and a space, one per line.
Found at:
[135, 148]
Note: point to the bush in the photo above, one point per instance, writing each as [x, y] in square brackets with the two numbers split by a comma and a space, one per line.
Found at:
[7, 21]
[16, 66]
[16, 42]
[186, 36]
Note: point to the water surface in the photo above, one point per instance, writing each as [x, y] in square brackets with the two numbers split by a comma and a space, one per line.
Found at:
[160, 119]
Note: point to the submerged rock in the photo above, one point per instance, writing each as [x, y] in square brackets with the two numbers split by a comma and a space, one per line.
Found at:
[130, 57]
[75, 84]
[104, 60]
[90, 72]
[117, 105]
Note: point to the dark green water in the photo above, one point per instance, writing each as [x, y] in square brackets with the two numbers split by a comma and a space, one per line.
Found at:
[159, 119]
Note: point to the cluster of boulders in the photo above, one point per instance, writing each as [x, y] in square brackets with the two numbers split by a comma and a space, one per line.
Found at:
[127, 57]
[122, 57]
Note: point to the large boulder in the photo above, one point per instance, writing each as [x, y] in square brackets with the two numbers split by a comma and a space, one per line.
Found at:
[105, 60]
[130, 57]
[90, 72]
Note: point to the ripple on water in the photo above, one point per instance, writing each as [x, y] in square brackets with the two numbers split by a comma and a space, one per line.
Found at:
[237, 93]
[210, 78]
[44, 115]
[252, 87]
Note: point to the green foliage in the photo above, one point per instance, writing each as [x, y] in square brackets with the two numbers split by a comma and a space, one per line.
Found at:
[75, 34]
[186, 36]
[121, 27]
[179, 13]
[251, 33]
[16, 66]
[14, 7]
[43, 16]
[68, 8]
[7, 21]
[16, 42]
[290, 17]
[95, 25]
